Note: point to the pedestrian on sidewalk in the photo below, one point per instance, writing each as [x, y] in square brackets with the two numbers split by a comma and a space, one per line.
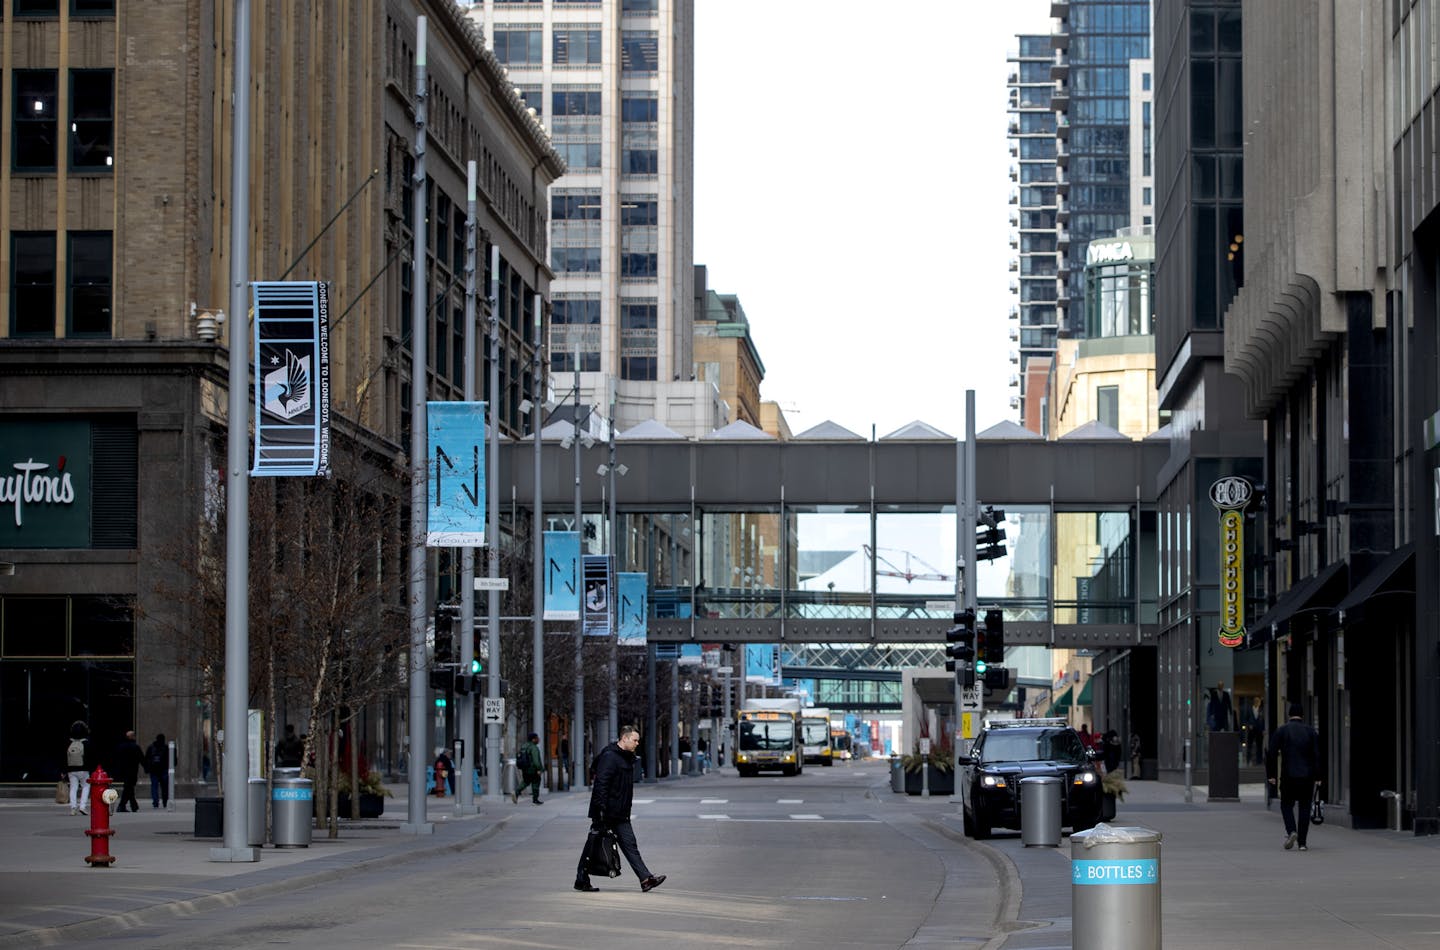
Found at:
[79, 763]
[289, 751]
[529, 764]
[157, 763]
[1297, 746]
[612, 792]
[127, 769]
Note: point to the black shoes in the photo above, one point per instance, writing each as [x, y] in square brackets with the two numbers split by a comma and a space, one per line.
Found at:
[536, 801]
[585, 886]
[652, 882]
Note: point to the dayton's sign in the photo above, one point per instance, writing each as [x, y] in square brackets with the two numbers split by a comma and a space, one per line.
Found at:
[45, 484]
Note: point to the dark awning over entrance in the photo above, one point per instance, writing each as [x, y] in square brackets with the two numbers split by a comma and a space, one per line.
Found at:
[1317, 591]
[1395, 574]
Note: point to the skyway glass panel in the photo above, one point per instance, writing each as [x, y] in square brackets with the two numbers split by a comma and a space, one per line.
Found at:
[1094, 567]
[1019, 581]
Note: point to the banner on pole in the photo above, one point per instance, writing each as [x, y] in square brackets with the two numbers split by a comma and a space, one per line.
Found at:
[630, 609]
[597, 595]
[562, 575]
[455, 473]
[762, 663]
[292, 377]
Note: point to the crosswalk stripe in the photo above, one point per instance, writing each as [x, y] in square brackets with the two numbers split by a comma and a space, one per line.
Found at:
[789, 801]
[807, 817]
[714, 801]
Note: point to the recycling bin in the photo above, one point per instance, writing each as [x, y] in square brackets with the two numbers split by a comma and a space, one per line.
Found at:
[292, 803]
[255, 801]
[210, 817]
[1115, 888]
[1040, 811]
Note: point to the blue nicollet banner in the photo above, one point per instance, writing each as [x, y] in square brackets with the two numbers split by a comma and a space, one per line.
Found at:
[630, 609]
[562, 575]
[597, 595]
[292, 377]
[455, 515]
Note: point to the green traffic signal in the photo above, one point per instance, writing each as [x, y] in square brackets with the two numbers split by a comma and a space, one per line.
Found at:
[475, 667]
[980, 667]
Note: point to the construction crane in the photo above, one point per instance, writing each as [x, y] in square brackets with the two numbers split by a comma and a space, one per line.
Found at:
[891, 569]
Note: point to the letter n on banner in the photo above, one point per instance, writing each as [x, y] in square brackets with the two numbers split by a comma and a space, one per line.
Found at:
[630, 609]
[562, 575]
[292, 377]
[455, 513]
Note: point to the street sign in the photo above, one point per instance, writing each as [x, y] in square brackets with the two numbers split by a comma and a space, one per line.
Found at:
[492, 583]
[494, 711]
[970, 697]
[724, 670]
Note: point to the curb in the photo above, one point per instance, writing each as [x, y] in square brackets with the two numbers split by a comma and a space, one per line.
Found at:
[111, 924]
[1007, 915]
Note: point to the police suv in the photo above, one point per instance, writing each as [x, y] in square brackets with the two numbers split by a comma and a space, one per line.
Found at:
[1008, 751]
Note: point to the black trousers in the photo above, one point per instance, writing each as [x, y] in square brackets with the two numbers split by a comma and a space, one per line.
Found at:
[127, 794]
[1295, 791]
[625, 837]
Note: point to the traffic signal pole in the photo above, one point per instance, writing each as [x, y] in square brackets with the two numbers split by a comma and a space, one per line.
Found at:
[973, 702]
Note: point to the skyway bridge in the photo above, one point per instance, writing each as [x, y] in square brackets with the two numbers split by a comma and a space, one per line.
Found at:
[1079, 572]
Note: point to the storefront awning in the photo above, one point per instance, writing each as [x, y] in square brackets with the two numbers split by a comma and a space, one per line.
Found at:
[1085, 692]
[1316, 592]
[1394, 575]
[1061, 704]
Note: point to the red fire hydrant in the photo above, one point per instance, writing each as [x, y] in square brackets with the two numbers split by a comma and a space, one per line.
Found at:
[100, 830]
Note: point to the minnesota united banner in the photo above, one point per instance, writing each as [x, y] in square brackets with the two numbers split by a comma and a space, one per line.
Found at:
[630, 610]
[292, 377]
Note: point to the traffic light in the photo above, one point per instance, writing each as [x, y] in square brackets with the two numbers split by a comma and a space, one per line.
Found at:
[989, 536]
[994, 652]
[961, 647]
[981, 653]
[476, 667]
[462, 684]
[440, 680]
[998, 678]
[444, 633]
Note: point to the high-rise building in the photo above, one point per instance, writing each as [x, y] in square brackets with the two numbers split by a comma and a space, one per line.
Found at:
[1094, 41]
[1033, 240]
[613, 82]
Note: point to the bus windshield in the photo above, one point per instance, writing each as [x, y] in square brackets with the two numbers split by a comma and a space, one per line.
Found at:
[815, 732]
[767, 735]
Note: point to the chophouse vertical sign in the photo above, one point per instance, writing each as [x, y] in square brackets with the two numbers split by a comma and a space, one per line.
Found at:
[292, 377]
[1231, 494]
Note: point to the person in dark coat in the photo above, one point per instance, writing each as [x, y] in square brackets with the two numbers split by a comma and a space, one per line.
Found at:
[1110, 751]
[157, 763]
[289, 751]
[611, 794]
[127, 769]
[1297, 746]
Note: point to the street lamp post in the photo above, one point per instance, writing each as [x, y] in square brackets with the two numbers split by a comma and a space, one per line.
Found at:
[536, 528]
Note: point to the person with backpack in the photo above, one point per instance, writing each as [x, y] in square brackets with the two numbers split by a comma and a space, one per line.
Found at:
[157, 763]
[529, 764]
[78, 764]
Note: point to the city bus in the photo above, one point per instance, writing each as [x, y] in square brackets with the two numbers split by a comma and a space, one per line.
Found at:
[767, 737]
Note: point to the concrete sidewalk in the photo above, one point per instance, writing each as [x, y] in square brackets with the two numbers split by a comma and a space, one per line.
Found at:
[1227, 882]
[48, 893]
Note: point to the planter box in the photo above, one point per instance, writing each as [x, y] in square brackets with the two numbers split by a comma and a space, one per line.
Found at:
[371, 806]
[941, 783]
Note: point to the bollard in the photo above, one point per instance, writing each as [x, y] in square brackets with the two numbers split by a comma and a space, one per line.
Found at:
[255, 811]
[1115, 888]
[1040, 811]
[102, 796]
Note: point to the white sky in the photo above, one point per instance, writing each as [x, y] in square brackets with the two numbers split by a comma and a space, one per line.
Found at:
[851, 188]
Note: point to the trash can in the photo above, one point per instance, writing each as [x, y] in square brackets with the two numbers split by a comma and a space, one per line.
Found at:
[292, 802]
[256, 803]
[897, 774]
[1115, 888]
[1392, 809]
[209, 817]
[1040, 811]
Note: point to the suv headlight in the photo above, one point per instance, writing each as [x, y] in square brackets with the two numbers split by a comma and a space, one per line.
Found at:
[992, 781]
[1085, 778]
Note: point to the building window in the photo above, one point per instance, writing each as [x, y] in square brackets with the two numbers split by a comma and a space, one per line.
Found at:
[639, 210]
[640, 107]
[575, 326]
[35, 125]
[639, 258]
[92, 8]
[32, 283]
[640, 51]
[575, 47]
[37, 8]
[1107, 406]
[579, 155]
[575, 205]
[639, 151]
[639, 6]
[520, 47]
[575, 260]
[90, 258]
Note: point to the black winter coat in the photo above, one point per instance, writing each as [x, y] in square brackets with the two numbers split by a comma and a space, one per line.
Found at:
[1297, 746]
[127, 760]
[613, 788]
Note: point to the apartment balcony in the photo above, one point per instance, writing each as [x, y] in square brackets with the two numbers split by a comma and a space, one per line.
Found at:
[1062, 127]
[1060, 98]
[1062, 182]
[1014, 149]
[1014, 240]
[1014, 265]
[1060, 9]
[1060, 34]
[1062, 237]
[1062, 210]
[1014, 402]
[1014, 126]
[1015, 356]
[1015, 338]
[1060, 66]
[1014, 311]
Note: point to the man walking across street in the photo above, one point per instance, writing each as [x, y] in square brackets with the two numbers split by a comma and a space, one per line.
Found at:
[1297, 746]
[79, 763]
[611, 793]
[528, 764]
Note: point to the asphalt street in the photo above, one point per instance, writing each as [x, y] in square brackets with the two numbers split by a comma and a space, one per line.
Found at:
[832, 858]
